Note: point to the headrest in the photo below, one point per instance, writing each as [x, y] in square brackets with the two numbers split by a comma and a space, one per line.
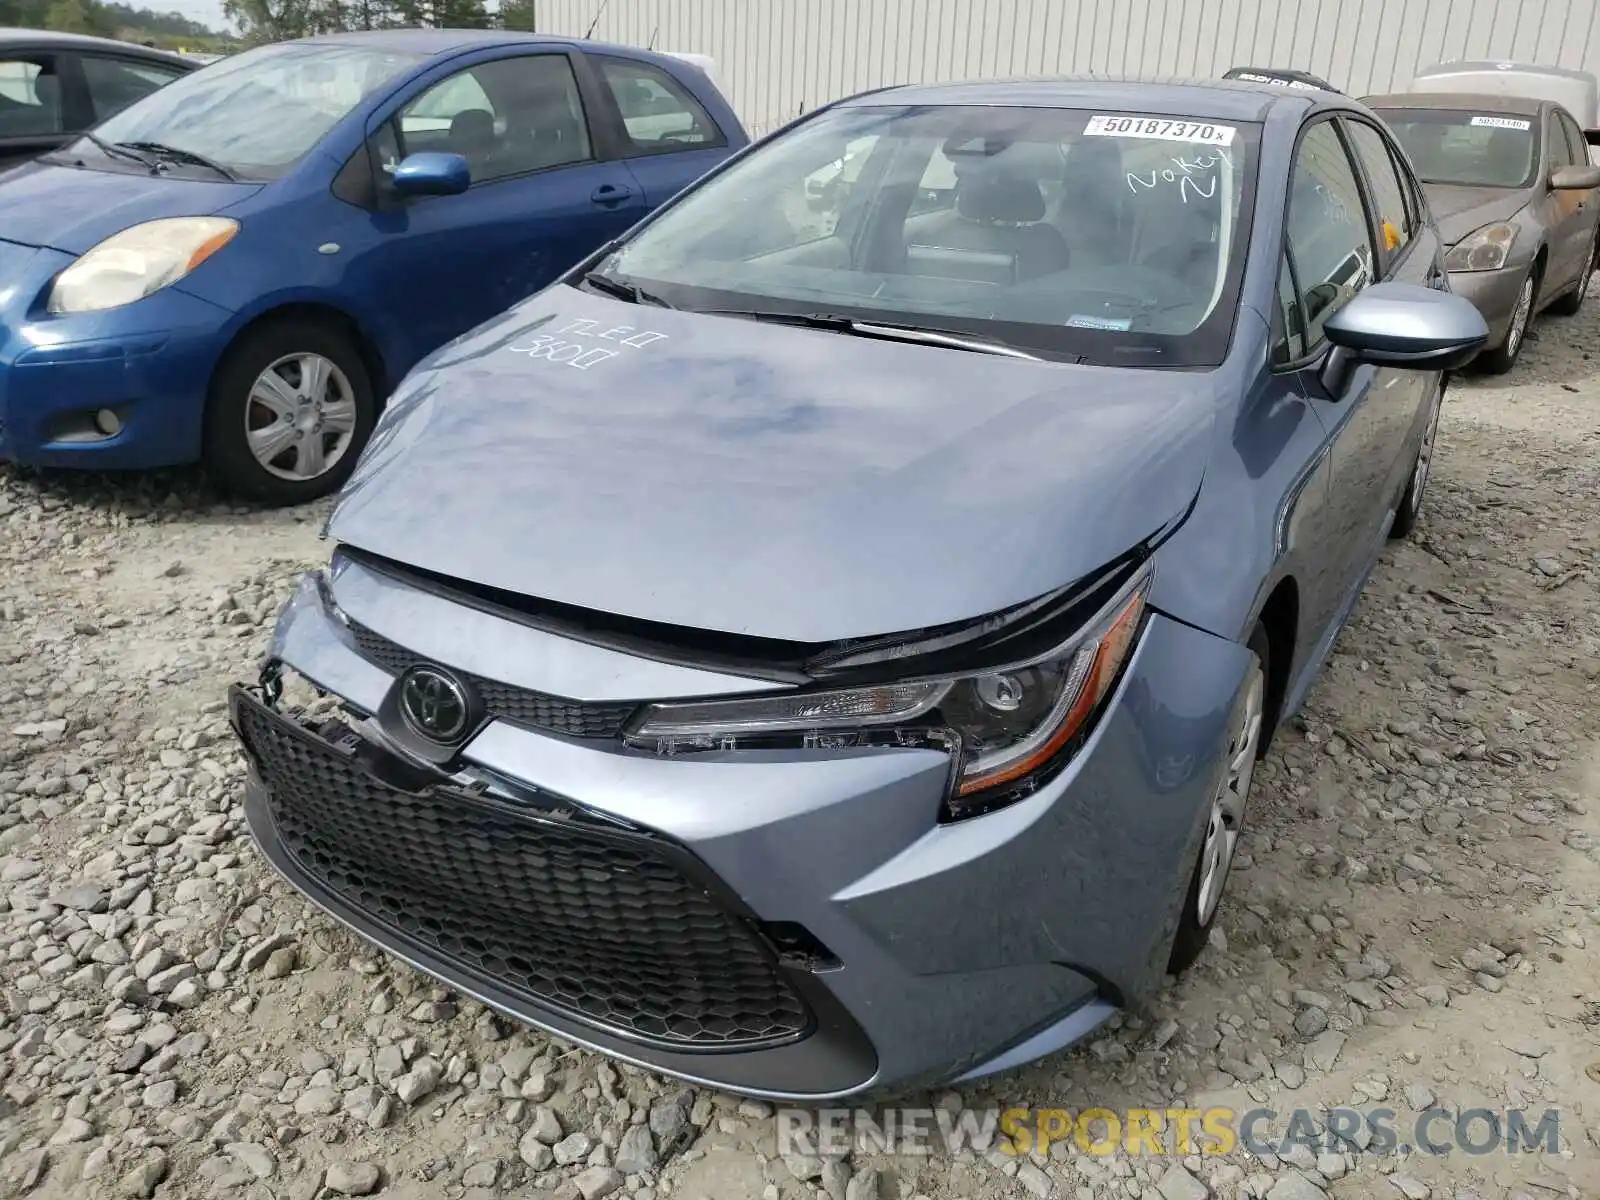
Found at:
[1000, 198]
[472, 123]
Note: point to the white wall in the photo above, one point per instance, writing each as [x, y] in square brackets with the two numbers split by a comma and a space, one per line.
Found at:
[777, 58]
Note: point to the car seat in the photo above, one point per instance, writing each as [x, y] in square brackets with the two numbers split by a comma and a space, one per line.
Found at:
[1091, 214]
[996, 235]
[472, 136]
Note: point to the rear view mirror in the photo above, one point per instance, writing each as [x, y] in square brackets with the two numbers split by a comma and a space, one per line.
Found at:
[1402, 325]
[1574, 178]
[431, 174]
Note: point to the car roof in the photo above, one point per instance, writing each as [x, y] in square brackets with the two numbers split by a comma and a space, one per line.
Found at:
[1499, 66]
[1526, 106]
[82, 41]
[453, 41]
[1213, 99]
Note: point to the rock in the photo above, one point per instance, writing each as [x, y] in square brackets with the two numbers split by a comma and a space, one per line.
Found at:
[1292, 1185]
[596, 1182]
[352, 1179]
[254, 1157]
[482, 1174]
[1419, 1097]
[161, 1095]
[864, 1184]
[1526, 1047]
[1310, 1022]
[1410, 1188]
[546, 1126]
[573, 1148]
[419, 1081]
[319, 1101]
[535, 1152]
[1324, 1050]
[1029, 1176]
[636, 1153]
[147, 1174]
[280, 962]
[72, 1129]
[1178, 1184]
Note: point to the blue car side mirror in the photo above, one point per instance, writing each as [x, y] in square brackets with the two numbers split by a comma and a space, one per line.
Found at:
[1402, 325]
[432, 174]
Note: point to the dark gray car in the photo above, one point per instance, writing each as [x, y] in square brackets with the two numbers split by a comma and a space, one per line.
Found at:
[1510, 184]
[809, 651]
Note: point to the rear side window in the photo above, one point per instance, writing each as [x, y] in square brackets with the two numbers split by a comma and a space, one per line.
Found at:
[1330, 247]
[657, 112]
[30, 98]
[114, 84]
[1561, 151]
[1388, 192]
[1575, 139]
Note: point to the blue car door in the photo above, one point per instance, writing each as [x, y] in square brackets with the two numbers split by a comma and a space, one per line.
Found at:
[667, 137]
[544, 194]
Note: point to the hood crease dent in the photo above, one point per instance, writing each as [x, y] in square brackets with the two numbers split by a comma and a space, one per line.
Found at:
[766, 481]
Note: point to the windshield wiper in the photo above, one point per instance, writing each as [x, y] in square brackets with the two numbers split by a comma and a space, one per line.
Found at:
[110, 151]
[878, 329]
[631, 292]
[162, 150]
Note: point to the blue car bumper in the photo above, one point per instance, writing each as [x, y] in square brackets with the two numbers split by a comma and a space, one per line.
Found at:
[148, 364]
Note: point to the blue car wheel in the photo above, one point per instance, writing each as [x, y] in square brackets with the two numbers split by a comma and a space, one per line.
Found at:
[290, 408]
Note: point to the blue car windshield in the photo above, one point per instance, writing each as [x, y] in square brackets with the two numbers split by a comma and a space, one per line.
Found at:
[260, 112]
[1116, 237]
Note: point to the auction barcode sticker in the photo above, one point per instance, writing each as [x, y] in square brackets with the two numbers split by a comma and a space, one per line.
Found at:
[1501, 123]
[1160, 129]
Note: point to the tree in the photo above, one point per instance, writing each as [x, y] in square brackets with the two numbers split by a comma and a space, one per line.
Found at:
[519, 14]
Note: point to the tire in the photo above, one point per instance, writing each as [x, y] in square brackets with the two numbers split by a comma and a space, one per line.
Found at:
[1572, 301]
[1504, 356]
[322, 398]
[1232, 796]
[1405, 517]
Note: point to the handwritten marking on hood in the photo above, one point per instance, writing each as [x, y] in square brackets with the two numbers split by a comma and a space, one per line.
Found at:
[573, 344]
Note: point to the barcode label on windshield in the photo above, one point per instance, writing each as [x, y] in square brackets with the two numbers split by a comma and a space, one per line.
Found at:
[1501, 123]
[1160, 129]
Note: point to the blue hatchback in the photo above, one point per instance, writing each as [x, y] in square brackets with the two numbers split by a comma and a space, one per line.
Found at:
[240, 267]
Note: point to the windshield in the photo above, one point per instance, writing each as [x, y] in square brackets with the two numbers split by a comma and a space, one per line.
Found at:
[1466, 148]
[260, 112]
[1113, 237]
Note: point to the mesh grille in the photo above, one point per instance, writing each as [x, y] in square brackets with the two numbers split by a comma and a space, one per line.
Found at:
[599, 924]
[574, 718]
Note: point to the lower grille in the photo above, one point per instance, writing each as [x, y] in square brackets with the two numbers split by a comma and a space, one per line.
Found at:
[604, 925]
[520, 706]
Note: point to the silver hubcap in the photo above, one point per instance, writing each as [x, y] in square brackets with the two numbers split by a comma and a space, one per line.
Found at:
[1583, 280]
[1227, 806]
[1419, 477]
[300, 417]
[1519, 316]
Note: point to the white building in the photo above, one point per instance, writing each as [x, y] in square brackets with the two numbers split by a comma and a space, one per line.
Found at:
[778, 58]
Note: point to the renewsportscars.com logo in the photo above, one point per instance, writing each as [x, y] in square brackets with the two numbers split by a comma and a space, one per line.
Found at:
[1157, 1131]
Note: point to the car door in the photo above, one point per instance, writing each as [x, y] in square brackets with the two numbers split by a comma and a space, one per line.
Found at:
[1584, 207]
[113, 83]
[542, 197]
[36, 104]
[1333, 253]
[667, 137]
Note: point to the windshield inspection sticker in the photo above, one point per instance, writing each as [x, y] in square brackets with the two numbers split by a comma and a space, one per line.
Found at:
[1160, 129]
[1501, 123]
[584, 354]
[1115, 324]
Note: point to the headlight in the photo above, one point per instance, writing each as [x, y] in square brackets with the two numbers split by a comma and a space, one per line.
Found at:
[128, 266]
[1008, 730]
[1482, 250]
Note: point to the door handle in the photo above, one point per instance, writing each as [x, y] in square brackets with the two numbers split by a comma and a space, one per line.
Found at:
[610, 193]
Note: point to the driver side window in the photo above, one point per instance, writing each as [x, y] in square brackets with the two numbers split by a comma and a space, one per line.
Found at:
[1329, 243]
[506, 117]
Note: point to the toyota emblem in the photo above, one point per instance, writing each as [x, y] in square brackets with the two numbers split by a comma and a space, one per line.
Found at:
[433, 704]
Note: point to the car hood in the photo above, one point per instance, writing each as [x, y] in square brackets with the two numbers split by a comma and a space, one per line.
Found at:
[1460, 210]
[73, 209]
[766, 480]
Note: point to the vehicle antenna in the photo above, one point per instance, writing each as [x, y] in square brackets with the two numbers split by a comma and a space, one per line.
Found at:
[598, 13]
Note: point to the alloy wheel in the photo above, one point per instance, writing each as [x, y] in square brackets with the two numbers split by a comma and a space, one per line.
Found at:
[1419, 476]
[300, 417]
[1228, 804]
[1519, 317]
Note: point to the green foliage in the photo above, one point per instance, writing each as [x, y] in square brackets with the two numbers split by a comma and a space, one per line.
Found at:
[114, 20]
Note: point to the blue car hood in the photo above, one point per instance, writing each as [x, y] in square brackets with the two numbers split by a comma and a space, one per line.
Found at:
[766, 480]
[73, 209]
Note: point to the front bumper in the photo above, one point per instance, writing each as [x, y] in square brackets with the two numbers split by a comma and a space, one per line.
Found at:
[149, 363]
[1494, 295]
[930, 952]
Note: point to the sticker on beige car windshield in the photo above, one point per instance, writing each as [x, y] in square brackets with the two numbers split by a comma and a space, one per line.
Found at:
[1501, 123]
[1161, 129]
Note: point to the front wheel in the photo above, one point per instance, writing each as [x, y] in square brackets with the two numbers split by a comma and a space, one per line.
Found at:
[1225, 821]
[291, 406]
[1504, 356]
[1405, 518]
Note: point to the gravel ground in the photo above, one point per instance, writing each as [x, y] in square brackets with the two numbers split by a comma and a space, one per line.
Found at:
[1413, 923]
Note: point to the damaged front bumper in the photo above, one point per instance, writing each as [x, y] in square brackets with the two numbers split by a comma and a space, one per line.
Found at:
[796, 925]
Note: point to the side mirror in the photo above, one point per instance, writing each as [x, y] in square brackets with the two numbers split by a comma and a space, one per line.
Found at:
[431, 174]
[1403, 325]
[1574, 178]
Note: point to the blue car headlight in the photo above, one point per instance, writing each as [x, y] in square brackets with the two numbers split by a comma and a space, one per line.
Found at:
[1006, 728]
[142, 259]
